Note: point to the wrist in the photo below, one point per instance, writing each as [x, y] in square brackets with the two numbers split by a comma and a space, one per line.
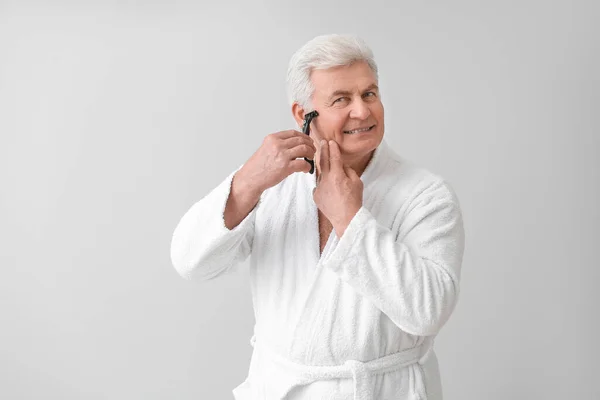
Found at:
[341, 226]
[243, 186]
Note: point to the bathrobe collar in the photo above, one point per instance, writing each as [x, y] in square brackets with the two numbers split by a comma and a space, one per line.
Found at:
[374, 168]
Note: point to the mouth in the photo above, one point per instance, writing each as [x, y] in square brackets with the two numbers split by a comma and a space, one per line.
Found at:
[359, 130]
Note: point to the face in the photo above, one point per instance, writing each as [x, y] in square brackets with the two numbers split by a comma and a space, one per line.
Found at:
[346, 98]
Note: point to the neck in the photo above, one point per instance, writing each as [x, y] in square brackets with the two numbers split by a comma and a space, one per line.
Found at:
[359, 164]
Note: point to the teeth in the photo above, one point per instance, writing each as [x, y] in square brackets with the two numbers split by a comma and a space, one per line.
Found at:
[359, 130]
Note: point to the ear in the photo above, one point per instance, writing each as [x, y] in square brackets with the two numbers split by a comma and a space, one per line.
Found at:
[298, 114]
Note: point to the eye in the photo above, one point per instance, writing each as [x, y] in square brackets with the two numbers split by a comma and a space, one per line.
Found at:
[341, 98]
[371, 93]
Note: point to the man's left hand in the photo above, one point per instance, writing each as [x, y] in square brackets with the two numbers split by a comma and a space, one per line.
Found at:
[339, 191]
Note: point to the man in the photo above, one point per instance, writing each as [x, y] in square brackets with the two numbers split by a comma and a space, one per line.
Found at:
[354, 269]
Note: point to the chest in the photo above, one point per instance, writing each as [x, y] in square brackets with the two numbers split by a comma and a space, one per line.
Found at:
[325, 229]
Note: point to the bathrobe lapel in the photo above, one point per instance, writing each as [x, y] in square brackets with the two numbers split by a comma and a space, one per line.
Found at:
[321, 281]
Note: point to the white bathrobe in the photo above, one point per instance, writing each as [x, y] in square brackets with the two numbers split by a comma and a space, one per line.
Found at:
[357, 322]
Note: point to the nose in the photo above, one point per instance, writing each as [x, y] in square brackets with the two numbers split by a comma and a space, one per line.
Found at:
[360, 110]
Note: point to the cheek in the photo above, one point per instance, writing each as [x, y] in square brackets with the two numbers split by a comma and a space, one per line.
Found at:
[377, 110]
[338, 123]
[331, 126]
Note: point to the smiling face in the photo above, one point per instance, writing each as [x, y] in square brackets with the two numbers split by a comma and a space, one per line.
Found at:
[346, 98]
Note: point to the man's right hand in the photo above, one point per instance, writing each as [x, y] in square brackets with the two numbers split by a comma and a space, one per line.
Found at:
[280, 155]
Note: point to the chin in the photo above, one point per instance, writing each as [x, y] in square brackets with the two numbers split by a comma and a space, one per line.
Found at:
[358, 144]
[359, 149]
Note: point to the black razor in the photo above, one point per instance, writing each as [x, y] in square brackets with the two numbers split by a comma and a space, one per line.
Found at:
[306, 130]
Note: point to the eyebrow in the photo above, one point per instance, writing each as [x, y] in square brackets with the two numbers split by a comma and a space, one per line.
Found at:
[347, 92]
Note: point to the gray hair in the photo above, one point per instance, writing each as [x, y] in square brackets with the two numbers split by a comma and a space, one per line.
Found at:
[322, 52]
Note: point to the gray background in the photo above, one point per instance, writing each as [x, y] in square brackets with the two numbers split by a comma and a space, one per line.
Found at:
[116, 117]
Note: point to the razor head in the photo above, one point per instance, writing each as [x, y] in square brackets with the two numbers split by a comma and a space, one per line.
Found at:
[311, 115]
[308, 117]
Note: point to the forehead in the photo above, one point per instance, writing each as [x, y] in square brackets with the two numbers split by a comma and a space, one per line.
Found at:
[353, 78]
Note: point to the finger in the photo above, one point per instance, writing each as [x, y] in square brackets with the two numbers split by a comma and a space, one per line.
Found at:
[297, 140]
[335, 158]
[301, 150]
[289, 133]
[324, 157]
[299, 165]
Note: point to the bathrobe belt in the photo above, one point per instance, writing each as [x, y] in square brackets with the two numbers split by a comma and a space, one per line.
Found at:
[360, 372]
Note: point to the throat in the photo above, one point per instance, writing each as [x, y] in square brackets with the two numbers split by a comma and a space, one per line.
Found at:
[359, 167]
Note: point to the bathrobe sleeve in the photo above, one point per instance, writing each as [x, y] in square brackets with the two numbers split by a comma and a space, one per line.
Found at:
[415, 280]
[202, 247]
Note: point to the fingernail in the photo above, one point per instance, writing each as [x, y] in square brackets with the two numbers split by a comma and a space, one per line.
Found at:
[323, 142]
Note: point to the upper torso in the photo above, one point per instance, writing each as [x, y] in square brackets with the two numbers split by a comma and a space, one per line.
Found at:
[307, 313]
